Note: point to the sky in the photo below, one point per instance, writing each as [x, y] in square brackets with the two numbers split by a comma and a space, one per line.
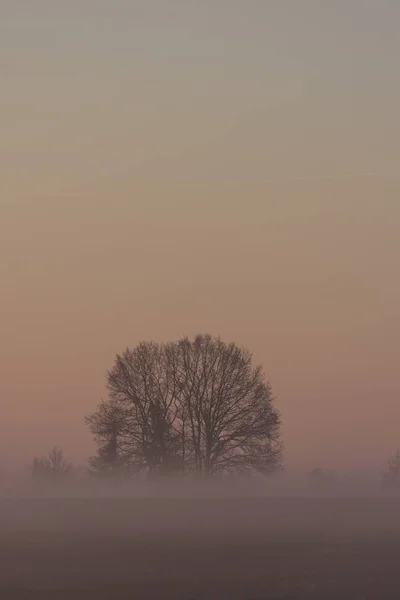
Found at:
[227, 166]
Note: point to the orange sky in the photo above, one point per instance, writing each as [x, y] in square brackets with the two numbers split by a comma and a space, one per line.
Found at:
[163, 173]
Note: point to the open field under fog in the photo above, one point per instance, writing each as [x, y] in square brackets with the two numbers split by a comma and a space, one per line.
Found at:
[200, 549]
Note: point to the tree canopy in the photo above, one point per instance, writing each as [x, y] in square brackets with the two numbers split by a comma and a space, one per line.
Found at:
[191, 406]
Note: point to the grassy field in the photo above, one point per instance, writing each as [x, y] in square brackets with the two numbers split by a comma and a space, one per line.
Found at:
[200, 549]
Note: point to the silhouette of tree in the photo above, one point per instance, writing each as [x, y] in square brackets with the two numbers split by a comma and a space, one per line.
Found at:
[52, 466]
[391, 478]
[106, 425]
[323, 478]
[232, 424]
[138, 419]
[188, 406]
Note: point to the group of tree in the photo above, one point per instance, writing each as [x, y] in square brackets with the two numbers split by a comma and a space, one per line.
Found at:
[53, 466]
[187, 407]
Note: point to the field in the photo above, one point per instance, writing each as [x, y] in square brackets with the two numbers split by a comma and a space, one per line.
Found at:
[247, 549]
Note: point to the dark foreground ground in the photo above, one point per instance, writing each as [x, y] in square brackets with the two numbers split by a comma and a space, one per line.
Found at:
[200, 549]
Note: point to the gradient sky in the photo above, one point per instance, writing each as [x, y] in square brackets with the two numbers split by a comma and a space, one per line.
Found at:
[174, 167]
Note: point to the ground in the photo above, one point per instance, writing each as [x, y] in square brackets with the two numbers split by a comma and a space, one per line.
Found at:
[200, 549]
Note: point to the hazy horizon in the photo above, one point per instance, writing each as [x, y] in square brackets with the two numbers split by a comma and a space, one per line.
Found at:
[171, 168]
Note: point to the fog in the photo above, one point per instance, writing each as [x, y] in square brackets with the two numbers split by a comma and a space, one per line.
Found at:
[239, 541]
[283, 501]
[170, 167]
[284, 536]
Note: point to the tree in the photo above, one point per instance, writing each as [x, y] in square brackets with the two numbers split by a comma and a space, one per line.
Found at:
[322, 478]
[53, 466]
[106, 425]
[391, 478]
[138, 418]
[189, 406]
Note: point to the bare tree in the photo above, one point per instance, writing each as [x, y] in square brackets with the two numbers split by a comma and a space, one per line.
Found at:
[391, 477]
[106, 425]
[189, 406]
[52, 466]
[231, 421]
[140, 414]
[323, 478]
